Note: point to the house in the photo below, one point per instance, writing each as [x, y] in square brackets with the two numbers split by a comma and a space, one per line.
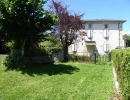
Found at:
[99, 35]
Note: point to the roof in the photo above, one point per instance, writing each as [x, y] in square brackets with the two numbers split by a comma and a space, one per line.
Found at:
[104, 20]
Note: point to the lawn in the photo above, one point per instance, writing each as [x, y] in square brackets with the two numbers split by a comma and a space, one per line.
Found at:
[59, 81]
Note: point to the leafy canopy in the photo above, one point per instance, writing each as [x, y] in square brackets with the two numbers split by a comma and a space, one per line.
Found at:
[52, 44]
[22, 20]
[127, 39]
[69, 22]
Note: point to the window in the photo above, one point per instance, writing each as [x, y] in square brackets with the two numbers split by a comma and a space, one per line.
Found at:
[83, 26]
[120, 27]
[89, 26]
[106, 26]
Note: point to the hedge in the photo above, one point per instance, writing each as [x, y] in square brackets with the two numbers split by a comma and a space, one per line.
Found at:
[81, 58]
[121, 62]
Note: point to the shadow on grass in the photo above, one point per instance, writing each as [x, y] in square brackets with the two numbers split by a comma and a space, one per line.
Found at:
[50, 69]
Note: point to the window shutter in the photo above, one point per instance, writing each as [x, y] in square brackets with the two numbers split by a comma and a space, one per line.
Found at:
[106, 33]
[108, 47]
[88, 33]
[74, 47]
[105, 49]
[91, 33]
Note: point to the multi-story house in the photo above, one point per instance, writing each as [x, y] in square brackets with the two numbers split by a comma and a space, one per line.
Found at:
[100, 36]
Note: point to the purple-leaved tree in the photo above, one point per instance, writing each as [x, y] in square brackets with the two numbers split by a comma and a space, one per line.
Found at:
[68, 24]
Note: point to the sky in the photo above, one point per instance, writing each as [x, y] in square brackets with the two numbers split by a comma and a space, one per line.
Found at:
[102, 9]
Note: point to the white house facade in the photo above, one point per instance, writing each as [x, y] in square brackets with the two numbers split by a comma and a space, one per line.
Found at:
[100, 36]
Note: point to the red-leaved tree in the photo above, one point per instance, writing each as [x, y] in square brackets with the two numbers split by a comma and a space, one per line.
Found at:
[68, 24]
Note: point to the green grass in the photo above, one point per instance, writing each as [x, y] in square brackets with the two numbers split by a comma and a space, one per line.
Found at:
[60, 81]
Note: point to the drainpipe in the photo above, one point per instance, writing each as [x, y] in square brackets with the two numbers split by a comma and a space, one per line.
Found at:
[119, 33]
[119, 38]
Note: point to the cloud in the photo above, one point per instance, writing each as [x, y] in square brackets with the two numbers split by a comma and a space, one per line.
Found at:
[128, 33]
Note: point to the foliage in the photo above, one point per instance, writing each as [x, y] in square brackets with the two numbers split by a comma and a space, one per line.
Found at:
[69, 23]
[16, 61]
[23, 22]
[12, 45]
[52, 44]
[127, 39]
[81, 58]
[37, 51]
[121, 62]
[32, 51]
[58, 81]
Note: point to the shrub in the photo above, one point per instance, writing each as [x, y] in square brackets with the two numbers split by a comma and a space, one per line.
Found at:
[52, 44]
[80, 58]
[35, 51]
[16, 61]
[121, 62]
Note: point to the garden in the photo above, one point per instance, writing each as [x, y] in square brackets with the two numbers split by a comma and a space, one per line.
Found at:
[29, 31]
[58, 81]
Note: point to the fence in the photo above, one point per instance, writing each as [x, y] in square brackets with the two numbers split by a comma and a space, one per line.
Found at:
[102, 59]
[93, 58]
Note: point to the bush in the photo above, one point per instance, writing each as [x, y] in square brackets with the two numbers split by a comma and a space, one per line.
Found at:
[16, 61]
[121, 62]
[35, 51]
[81, 58]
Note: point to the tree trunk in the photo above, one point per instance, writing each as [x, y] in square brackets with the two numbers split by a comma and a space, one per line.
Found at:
[22, 51]
[66, 53]
[23, 47]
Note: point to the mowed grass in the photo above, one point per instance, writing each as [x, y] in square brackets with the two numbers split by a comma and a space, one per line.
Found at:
[59, 81]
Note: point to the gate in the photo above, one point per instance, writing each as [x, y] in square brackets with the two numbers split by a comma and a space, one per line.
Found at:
[102, 59]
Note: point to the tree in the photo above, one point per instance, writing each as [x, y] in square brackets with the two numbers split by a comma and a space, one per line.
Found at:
[24, 21]
[127, 39]
[52, 44]
[69, 23]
